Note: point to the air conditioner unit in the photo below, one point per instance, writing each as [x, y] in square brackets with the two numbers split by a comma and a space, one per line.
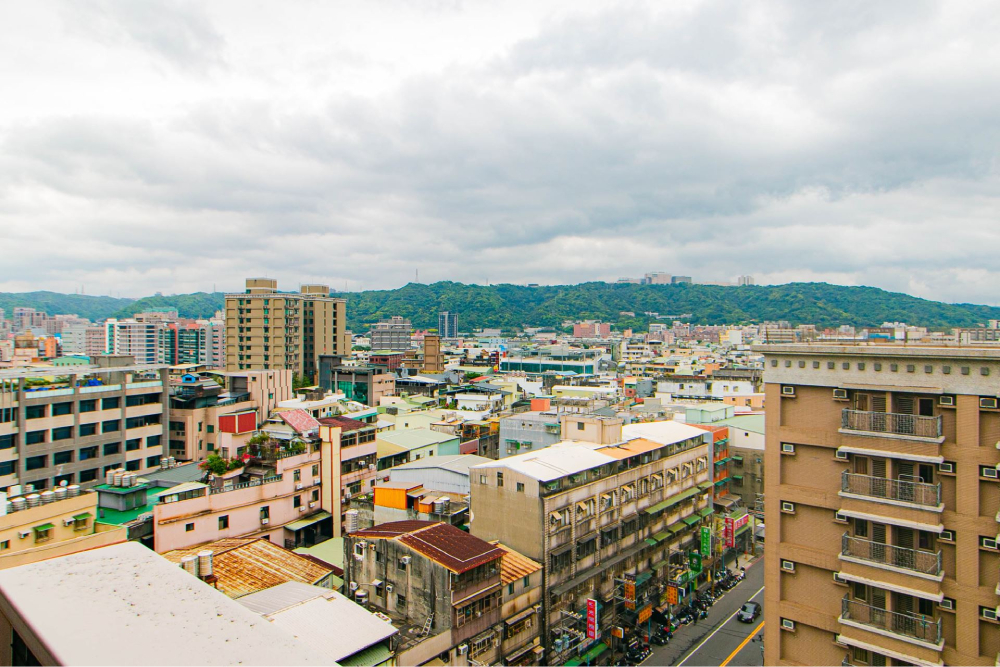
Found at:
[988, 471]
[840, 394]
[947, 535]
[787, 624]
[787, 448]
[787, 390]
[788, 565]
[298, 487]
[946, 603]
[787, 507]
[946, 466]
[989, 614]
[23, 533]
[989, 543]
[841, 455]
[463, 649]
[405, 560]
[353, 586]
[302, 508]
[946, 400]
[988, 403]
[312, 504]
[316, 481]
[265, 521]
[388, 588]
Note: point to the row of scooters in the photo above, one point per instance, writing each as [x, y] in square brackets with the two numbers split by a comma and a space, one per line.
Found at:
[697, 608]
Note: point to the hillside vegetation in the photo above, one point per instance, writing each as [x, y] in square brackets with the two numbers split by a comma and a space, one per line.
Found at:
[511, 306]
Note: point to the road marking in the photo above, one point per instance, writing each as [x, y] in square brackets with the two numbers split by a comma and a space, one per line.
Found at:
[721, 625]
[740, 647]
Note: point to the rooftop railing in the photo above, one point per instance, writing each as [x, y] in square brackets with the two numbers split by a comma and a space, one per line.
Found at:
[907, 625]
[891, 423]
[247, 485]
[918, 560]
[904, 491]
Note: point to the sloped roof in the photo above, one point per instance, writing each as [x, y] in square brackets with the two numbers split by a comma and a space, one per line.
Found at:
[415, 438]
[346, 424]
[443, 543]
[459, 463]
[515, 565]
[300, 420]
[246, 565]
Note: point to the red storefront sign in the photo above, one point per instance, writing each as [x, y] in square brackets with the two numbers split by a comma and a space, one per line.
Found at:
[729, 533]
[592, 630]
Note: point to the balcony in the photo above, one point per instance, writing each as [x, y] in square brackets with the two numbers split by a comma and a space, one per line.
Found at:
[914, 560]
[897, 490]
[908, 627]
[891, 425]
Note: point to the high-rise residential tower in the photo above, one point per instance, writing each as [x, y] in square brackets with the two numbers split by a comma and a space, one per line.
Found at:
[448, 325]
[881, 502]
[268, 329]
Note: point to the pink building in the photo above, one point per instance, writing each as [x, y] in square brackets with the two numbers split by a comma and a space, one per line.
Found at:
[591, 329]
[276, 495]
[348, 468]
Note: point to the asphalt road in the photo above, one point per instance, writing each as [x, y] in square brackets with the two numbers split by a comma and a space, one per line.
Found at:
[720, 637]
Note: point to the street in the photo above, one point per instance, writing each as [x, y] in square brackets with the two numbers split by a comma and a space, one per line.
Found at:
[720, 639]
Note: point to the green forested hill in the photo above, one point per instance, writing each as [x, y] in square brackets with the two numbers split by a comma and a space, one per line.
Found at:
[510, 306]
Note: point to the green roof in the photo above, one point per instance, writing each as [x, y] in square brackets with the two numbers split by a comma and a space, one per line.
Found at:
[672, 500]
[118, 518]
[375, 654]
[329, 551]
[752, 423]
[691, 520]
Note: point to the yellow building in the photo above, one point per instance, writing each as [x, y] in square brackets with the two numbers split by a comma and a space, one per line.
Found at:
[46, 525]
[268, 329]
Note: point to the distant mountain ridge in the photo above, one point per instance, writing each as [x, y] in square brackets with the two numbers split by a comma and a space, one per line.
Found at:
[511, 306]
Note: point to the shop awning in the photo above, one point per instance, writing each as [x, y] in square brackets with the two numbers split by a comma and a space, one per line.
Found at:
[590, 656]
[705, 511]
[44, 526]
[308, 521]
[672, 500]
[705, 485]
[677, 527]
[662, 535]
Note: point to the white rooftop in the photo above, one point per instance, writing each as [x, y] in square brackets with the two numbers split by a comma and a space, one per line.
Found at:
[555, 461]
[459, 463]
[127, 605]
[324, 619]
[662, 432]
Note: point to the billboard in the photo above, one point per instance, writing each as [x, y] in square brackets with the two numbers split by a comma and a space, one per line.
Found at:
[706, 541]
[729, 533]
[593, 631]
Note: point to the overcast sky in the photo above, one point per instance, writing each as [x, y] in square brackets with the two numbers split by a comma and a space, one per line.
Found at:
[176, 146]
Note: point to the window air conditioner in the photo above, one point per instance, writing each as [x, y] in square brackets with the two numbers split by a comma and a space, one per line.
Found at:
[302, 508]
[840, 394]
[265, 521]
[988, 403]
[946, 400]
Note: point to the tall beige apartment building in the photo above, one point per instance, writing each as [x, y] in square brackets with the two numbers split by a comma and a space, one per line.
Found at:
[267, 329]
[881, 505]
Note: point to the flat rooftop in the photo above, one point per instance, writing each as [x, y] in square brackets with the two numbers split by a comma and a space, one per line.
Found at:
[126, 605]
[883, 348]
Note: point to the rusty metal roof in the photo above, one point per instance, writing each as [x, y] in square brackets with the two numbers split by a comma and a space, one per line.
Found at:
[443, 543]
[300, 420]
[515, 565]
[346, 424]
[247, 565]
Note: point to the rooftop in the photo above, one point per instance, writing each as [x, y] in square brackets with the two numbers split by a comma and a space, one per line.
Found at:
[346, 424]
[883, 348]
[416, 438]
[126, 605]
[319, 617]
[514, 565]
[248, 565]
[752, 423]
[443, 543]
[459, 463]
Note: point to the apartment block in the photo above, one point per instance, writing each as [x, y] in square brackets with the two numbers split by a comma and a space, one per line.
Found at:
[268, 329]
[75, 426]
[348, 464]
[392, 334]
[594, 512]
[448, 324]
[881, 504]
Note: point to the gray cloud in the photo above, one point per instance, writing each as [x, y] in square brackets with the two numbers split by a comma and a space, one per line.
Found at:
[850, 143]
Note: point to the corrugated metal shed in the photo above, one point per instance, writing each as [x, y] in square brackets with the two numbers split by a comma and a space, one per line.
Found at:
[515, 565]
[247, 565]
[443, 543]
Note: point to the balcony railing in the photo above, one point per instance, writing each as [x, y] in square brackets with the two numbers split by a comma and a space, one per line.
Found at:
[912, 626]
[246, 485]
[917, 493]
[891, 423]
[924, 562]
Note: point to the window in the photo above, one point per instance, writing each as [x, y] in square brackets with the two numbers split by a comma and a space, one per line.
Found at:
[60, 458]
[224, 522]
[88, 475]
[132, 466]
[152, 461]
[153, 441]
[62, 409]
[400, 601]
[133, 444]
[210, 428]
[527, 581]
[62, 433]
[520, 487]
[5, 545]
[7, 468]
[315, 470]
[580, 426]
[499, 479]
[80, 522]
[111, 426]
[7, 441]
[88, 406]
[315, 495]
[297, 475]
[34, 412]
[189, 528]
[112, 448]
[36, 462]
[87, 429]
[43, 533]
[111, 403]
[510, 589]
[34, 437]
[297, 501]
